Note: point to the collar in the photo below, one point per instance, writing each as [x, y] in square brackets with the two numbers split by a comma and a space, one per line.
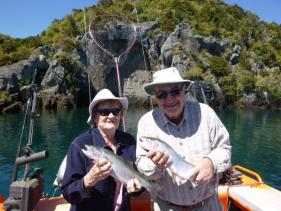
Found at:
[164, 121]
[98, 139]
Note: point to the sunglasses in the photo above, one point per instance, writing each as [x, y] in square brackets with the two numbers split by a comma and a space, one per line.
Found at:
[107, 111]
[163, 94]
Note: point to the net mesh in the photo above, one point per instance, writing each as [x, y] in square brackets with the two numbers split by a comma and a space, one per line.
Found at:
[113, 34]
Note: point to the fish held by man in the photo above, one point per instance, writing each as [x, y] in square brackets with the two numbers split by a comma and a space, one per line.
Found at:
[180, 170]
[121, 169]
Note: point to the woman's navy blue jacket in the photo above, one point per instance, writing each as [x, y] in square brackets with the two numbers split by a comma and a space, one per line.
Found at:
[101, 196]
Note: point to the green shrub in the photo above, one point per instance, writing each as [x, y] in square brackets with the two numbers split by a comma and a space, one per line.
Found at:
[245, 81]
[5, 97]
[229, 87]
[195, 73]
[66, 59]
[271, 84]
[218, 66]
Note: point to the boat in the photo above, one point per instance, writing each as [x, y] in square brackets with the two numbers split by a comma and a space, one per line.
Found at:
[246, 190]
[239, 189]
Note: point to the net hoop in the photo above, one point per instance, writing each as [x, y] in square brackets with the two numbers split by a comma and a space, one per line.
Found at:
[131, 43]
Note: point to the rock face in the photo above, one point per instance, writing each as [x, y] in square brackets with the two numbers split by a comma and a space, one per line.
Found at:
[53, 77]
[133, 87]
[235, 54]
[174, 51]
[23, 71]
[212, 45]
[146, 56]
[64, 85]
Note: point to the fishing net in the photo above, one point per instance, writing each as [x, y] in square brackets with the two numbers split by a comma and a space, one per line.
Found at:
[114, 35]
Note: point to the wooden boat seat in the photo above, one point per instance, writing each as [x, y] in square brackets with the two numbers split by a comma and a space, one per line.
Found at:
[54, 204]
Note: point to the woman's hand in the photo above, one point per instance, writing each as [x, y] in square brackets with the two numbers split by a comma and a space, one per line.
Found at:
[100, 170]
[133, 185]
[160, 159]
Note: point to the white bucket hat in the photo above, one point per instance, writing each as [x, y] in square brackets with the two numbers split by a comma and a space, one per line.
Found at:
[103, 95]
[166, 76]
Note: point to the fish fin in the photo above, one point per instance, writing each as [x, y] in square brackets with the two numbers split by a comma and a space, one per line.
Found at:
[194, 185]
[191, 179]
[176, 179]
[170, 172]
[89, 155]
[179, 180]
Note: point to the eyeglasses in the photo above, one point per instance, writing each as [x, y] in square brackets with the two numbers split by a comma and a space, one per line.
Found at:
[163, 95]
[107, 111]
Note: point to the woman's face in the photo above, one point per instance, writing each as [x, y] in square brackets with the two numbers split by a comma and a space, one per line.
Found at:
[107, 115]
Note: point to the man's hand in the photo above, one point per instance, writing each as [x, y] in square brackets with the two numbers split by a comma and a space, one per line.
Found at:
[133, 185]
[160, 159]
[203, 172]
[100, 170]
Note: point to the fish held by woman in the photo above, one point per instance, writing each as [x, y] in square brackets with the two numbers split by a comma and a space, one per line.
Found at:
[121, 169]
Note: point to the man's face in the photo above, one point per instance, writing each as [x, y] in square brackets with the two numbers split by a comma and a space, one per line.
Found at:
[170, 98]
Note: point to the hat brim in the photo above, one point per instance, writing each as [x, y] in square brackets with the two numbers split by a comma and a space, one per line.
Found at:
[122, 100]
[148, 88]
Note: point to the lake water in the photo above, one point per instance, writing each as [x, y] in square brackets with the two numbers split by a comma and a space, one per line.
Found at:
[255, 137]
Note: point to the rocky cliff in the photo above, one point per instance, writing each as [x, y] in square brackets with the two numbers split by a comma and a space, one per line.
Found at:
[65, 78]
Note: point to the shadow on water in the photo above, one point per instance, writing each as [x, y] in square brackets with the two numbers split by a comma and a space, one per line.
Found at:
[255, 137]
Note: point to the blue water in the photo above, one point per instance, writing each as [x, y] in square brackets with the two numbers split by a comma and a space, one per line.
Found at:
[255, 137]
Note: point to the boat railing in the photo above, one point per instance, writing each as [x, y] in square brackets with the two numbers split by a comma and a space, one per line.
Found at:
[251, 173]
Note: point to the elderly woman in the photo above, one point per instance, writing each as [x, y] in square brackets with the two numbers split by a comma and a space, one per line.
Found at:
[87, 185]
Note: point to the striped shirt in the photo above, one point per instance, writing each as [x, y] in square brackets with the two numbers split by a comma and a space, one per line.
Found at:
[199, 134]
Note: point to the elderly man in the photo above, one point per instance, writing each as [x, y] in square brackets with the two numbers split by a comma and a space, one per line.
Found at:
[195, 132]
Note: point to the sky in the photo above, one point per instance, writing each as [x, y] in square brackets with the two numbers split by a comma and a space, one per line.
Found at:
[266, 10]
[23, 18]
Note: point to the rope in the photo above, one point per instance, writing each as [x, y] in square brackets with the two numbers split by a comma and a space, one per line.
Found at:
[135, 11]
[23, 126]
[88, 75]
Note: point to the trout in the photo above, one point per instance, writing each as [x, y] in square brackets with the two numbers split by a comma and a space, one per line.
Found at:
[122, 170]
[179, 169]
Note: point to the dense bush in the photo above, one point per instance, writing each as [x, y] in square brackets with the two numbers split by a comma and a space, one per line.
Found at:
[229, 86]
[218, 66]
[72, 68]
[271, 84]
